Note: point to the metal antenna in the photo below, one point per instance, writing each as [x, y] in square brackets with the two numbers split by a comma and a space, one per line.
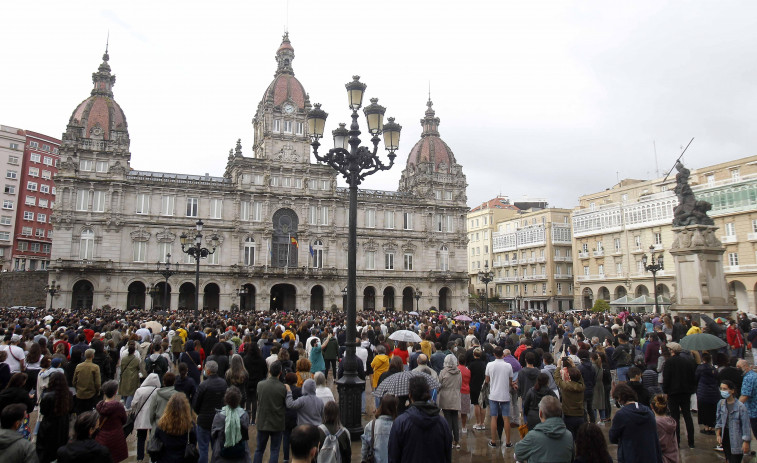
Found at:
[286, 25]
[107, 41]
[429, 89]
[656, 165]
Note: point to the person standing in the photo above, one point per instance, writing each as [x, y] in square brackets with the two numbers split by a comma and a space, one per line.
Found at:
[708, 394]
[112, 419]
[549, 440]
[533, 398]
[679, 382]
[634, 429]
[451, 381]
[477, 377]
[208, 399]
[230, 430]
[87, 383]
[735, 340]
[732, 428]
[330, 350]
[464, 392]
[83, 447]
[375, 438]
[666, 429]
[143, 400]
[622, 357]
[176, 430]
[13, 447]
[129, 375]
[571, 385]
[499, 375]
[749, 392]
[271, 419]
[55, 408]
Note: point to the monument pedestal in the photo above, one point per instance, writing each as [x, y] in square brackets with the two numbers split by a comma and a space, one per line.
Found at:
[700, 279]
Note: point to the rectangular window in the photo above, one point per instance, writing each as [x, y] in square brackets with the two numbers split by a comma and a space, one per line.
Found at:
[47, 160]
[26, 231]
[35, 157]
[46, 248]
[140, 251]
[710, 179]
[216, 208]
[658, 238]
[35, 247]
[34, 144]
[191, 207]
[42, 218]
[164, 249]
[733, 258]
[166, 205]
[40, 233]
[249, 254]
[408, 262]
[324, 220]
[98, 201]
[389, 219]
[244, 211]
[277, 125]
[439, 222]
[448, 195]
[370, 260]
[31, 186]
[730, 229]
[213, 259]
[42, 203]
[586, 270]
[7, 204]
[389, 261]
[102, 166]
[44, 188]
[11, 174]
[754, 226]
[300, 128]
[407, 220]
[5, 220]
[86, 165]
[257, 211]
[619, 269]
[275, 180]
[10, 189]
[143, 204]
[735, 175]
[46, 174]
[450, 223]
[637, 241]
[5, 236]
[370, 218]
[585, 247]
[33, 172]
[30, 201]
[28, 215]
[601, 269]
[13, 160]
[559, 288]
[616, 243]
[286, 182]
[287, 126]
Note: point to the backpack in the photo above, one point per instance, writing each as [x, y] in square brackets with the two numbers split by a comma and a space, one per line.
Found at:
[329, 452]
[155, 366]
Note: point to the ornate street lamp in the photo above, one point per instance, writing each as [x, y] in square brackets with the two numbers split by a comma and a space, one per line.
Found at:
[52, 289]
[486, 276]
[152, 291]
[417, 296]
[167, 271]
[355, 163]
[655, 265]
[198, 252]
[241, 293]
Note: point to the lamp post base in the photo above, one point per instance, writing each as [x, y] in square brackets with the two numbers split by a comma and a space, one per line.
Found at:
[350, 389]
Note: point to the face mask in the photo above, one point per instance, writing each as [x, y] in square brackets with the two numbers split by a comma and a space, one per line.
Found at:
[660, 351]
[725, 394]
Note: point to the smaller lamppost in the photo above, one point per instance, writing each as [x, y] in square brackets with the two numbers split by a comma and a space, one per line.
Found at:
[241, 293]
[486, 277]
[52, 289]
[655, 264]
[152, 291]
[167, 271]
[198, 252]
[344, 297]
[417, 296]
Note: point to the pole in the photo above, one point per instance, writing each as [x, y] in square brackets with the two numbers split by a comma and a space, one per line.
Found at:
[656, 301]
[197, 282]
[166, 301]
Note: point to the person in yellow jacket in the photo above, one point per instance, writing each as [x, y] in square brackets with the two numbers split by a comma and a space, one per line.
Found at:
[427, 347]
[183, 333]
[695, 329]
[380, 364]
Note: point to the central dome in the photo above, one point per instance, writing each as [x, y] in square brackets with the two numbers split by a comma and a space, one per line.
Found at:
[431, 148]
[285, 86]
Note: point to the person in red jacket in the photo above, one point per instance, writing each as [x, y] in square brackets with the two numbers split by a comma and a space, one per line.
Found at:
[735, 340]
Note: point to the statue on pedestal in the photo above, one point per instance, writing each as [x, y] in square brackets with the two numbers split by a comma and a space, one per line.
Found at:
[689, 211]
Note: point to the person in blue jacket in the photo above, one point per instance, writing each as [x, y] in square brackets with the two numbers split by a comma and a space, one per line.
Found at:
[732, 427]
[634, 429]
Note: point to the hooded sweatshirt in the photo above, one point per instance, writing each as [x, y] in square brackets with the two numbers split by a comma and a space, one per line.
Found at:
[420, 434]
[143, 399]
[451, 380]
[158, 406]
[309, 407]
[549, 441]
[634, 429]
[666, 432]
[13, 447]
[380, 365]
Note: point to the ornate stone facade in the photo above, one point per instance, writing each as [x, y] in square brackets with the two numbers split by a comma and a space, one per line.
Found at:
[281, 220]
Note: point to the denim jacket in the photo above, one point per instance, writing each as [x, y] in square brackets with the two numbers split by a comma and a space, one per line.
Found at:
[739, 428]
[381, 442]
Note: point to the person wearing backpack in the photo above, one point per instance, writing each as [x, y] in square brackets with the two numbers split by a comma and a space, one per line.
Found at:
[229, 431]
[622, 357]
[156, 362]
[336, 446]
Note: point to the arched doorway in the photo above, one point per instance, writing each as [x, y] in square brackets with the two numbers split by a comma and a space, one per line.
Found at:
[620, 291]
[284, 252]
[604, 294]
[641, 290]
[407, 299]
[135, 299]
[211, 298]
[82, 295]
[283, 297]
[316, 298]
[162, 297]
[445, 304]
[663, 290]
[369, 298]
[247, 300]
[588, 298]
[187, 296]
[737, 291]
[389, 298]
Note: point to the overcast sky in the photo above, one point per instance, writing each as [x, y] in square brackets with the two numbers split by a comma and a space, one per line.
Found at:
[545, 99]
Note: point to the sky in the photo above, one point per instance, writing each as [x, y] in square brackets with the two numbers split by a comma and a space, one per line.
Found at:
[537, 99]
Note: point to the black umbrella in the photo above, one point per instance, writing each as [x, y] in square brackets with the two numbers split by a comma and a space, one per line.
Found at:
[597, 331]
[712, 326]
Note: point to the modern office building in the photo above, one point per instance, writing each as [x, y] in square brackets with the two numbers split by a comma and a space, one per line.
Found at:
[12, 142]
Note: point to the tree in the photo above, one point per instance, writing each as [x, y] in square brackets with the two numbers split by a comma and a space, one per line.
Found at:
[601, 306]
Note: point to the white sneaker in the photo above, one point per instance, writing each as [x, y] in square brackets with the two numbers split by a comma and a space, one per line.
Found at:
[465, 430]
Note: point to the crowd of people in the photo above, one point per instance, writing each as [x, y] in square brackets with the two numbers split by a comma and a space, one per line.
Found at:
[74, 384]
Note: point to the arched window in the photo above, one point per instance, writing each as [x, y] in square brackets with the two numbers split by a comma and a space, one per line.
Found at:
[87, 244]
[249, 251]
[443, 258]
[317, 254]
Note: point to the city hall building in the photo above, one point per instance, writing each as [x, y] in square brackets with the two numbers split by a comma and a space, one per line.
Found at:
[281, 220]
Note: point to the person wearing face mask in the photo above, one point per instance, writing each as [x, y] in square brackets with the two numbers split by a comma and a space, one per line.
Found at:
[732, 427]
[749, 392]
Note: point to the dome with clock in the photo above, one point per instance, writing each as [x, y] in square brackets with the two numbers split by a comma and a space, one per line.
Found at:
[285, 92]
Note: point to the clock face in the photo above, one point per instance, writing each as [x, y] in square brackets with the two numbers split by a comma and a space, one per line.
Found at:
[288, 108]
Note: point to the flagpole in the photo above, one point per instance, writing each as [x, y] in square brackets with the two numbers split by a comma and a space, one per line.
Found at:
[268, 241]
[289, 249]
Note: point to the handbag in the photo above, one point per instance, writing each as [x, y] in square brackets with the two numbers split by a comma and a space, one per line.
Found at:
[371, 457]
[483, 399]
[191, 454]
[523, 428]
[128, 427]
[154, 447]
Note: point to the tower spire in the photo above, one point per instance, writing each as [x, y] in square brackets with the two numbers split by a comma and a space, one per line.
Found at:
[284, 56]
[102, 79]
[430, 123]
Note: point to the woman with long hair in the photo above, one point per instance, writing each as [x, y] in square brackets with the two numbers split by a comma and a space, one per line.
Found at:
[55, 409]
[256, 367]
[176, 430]
[533, 397]
[219, 355]
[666, 429]
[237, 376]
[303, 371]
[591, 445]
[464, 393]
[16, 393]
[112, 418]
[229, 430]
[83, 447]
[377, 432]
[333, 426]
[184, 383]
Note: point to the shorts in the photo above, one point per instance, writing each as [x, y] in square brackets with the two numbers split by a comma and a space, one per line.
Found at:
[499, 408]
[465, 404]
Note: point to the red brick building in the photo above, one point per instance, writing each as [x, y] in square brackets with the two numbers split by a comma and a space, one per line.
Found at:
[33, 231]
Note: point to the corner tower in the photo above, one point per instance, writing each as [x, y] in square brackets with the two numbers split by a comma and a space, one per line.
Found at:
[280, 122]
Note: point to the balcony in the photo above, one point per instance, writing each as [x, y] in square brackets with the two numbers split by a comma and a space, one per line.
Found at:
[563, 276]
[617, 251]
[740, 268]
[541, 259]
[563, 259]
[505, 279]
[752, 237]
[532, 260]
[728, 239]
[599, 253]
[658, 247]
[497, 264]
[583, 255]
[638, 250]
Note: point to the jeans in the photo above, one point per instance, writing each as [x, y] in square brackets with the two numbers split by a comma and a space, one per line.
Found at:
[331, 362]
[127, 401]
[572, 423]
[589, 410]
[680, 404]
[203, 443]
[622, 373]
[451, 417]
[262, 441]
[285, 440]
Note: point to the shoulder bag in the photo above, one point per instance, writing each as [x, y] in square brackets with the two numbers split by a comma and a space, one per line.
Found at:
[191, 454]
[128, 427]
[371, 457]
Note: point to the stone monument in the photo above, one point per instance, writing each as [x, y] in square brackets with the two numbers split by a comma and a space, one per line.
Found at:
[698, 256]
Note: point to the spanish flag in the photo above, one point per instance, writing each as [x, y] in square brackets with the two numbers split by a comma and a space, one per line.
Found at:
[294, 242]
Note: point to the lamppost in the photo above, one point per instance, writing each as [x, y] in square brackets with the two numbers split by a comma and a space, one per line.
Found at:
[152, 291]
[486, 276]
[417, 296]
[52, 289]
[241, 292]
[198, 252]
[655, 265]
[355, 163]
[344, 298]
[167, 271]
